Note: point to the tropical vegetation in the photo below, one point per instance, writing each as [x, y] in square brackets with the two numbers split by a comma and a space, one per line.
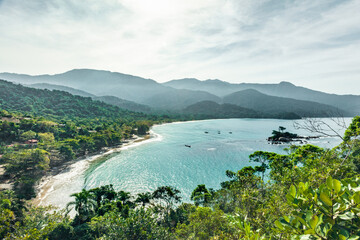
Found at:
[309, 193]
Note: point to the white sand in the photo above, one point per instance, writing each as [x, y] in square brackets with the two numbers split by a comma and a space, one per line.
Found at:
[56, 189]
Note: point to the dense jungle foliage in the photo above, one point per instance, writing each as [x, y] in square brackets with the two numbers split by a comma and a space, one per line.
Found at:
[32, 146]
[309, 193]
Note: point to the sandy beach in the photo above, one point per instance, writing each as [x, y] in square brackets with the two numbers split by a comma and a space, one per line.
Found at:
[55, 188]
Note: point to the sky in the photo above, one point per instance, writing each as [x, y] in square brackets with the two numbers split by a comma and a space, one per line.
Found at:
[310, 43]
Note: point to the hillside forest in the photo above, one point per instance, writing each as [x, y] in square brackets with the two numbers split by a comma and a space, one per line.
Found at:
[308, 193]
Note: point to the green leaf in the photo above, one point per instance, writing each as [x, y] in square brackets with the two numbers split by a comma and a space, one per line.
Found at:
[325, 199]
[292, 191]
[313, 221]
[357, 197]
[290, 198]
[279, 225]
[336, 186]
[338, 206]
[301, 187]
[347, 216]
[342, 237]
[329, 182]
[326, 229]
[344, 233]
[309, 231]
[301, 220]
[353, 237]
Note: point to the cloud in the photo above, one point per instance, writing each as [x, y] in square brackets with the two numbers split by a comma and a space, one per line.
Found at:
[310, 43]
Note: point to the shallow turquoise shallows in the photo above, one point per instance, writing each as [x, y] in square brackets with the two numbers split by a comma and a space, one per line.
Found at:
[167, 161]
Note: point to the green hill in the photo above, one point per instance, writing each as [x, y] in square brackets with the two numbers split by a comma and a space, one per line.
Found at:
[73, 91]
[209, 109]
[253, 99]
[122, 103]
[18, 98]
[174, 99]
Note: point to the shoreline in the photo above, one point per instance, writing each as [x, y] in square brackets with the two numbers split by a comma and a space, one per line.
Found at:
[77, 167]
[55, 188]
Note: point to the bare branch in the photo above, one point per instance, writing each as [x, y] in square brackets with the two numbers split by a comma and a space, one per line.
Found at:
[317, 125]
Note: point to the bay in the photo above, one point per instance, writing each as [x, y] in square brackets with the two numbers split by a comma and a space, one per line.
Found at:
[167, 161]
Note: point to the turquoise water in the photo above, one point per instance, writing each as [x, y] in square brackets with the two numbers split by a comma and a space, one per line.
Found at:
[166, 161]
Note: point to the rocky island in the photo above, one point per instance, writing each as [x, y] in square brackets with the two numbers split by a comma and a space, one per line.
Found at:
[279, 137]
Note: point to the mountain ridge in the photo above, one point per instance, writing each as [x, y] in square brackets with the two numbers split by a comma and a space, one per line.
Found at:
[104, 83]
[348, 102]
[167, 95]
[122, 103]
[55, 103]
[253, 99]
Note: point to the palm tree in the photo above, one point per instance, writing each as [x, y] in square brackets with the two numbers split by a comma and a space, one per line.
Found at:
[168, 194]
[103, 194]
[123, 196]
[84, 204]
[143, 198]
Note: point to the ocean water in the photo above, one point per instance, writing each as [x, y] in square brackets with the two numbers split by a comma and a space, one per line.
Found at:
[167, 161]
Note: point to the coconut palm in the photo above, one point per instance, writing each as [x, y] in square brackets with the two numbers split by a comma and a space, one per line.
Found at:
[84, 204]
[103, 194]
[144, 198]
[124, 197]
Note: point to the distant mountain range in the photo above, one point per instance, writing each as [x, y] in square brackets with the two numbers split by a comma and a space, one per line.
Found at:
[128, 87]
[257, 101]
[185, 95]
[349, 103]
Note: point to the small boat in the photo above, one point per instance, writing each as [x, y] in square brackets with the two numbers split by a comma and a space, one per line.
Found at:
[218, 132]
[206, 132]
[189, 146]
[230, 132]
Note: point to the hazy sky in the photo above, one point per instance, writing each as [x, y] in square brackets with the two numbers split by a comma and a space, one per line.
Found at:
[312, 43]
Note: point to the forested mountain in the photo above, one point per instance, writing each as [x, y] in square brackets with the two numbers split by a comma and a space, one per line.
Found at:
[275, 105]
[214, 86]
[97, 82]
[73, 91]
[131, 88]
[18, 98]
[178, 99]
[125, 104]
[209, 109]
[122, 103]
[350, 103]
[179, 94]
